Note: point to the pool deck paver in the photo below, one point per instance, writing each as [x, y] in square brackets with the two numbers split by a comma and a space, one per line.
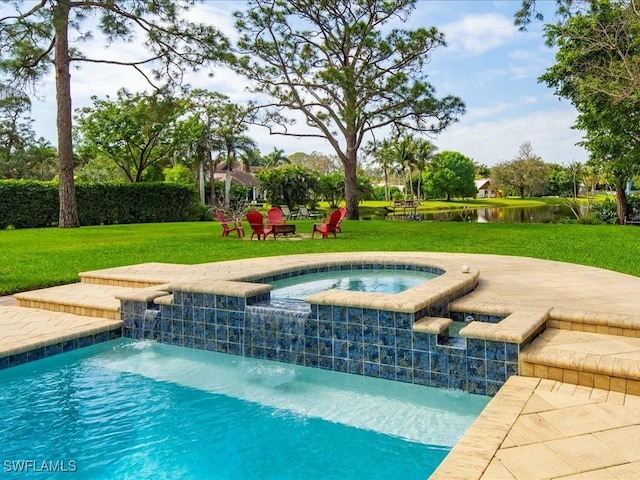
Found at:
[532, 429]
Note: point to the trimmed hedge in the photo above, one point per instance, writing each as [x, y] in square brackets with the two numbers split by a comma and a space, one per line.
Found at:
[32, 204]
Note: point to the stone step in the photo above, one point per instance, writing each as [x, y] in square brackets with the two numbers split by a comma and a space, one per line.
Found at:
[609, 362]
[86, 299]
[603, 323]
[30, 334]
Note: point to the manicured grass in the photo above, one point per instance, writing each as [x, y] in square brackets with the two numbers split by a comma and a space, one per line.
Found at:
[35, 258]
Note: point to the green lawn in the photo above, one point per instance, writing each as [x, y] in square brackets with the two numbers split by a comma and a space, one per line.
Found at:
[34, 258]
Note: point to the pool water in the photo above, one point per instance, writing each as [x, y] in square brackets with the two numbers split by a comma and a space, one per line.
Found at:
[127, 409]
[374, 280]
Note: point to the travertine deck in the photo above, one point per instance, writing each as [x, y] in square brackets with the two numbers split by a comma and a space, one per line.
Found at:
[532, 429]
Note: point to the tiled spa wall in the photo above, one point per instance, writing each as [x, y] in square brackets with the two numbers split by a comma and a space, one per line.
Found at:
[362, 341]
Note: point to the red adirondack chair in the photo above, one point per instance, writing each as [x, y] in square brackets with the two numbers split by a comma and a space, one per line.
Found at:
[229, 226]
[256, 222]
[275, 217]
[343, 213]
[325, 228]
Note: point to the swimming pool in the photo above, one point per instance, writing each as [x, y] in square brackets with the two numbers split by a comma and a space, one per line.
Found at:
[373, 280]
[127, 409]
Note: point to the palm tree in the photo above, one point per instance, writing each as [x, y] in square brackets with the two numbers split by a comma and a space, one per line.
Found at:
[424, 152]
[406, 156]
[275, 158]
[229, 147]
[384, 155]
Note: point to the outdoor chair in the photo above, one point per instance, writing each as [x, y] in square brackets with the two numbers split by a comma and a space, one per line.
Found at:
[256, 222]
[229, 226]
[275, 217]
[285, 211]
[330, 226]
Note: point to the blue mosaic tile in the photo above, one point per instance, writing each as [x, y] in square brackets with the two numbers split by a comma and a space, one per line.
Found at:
[476, 367]
[340, 365]
[356, 351]
[421, 360]
[325, 313]
[496, 371]
[311, 346]
[233, 304]
[512, 352]
[388, 372]
[355, 367]
[325, 330]
[54, 349]
[385, 318]
[221, 302]
[18, 359]
[477, 386]
[222, 318]
[4, 363]
[421, 341]
[371, 353]
[387, 336]
[495, 350]
[311, 360]
[493, 387]
[457, 366]
[512, 369]
[236, 319]
[222, 333]
[355, 315]
[40, 353]
[404, 339]
[369, 317]
[370, 334]
[354, 332]
[404, 358]
[439, 380]
[457, 382]
[85, 341]
[476, 348]
[198, 314]
[387, 355]
[439, 363]
[325, 347]
[341, 331]
[325, 362]
[403, 320]
[422, 377]
[371, 369]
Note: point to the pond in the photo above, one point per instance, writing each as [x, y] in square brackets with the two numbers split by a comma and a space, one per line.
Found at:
[539, 214]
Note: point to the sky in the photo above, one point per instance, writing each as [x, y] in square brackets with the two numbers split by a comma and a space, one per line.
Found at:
[488, 63]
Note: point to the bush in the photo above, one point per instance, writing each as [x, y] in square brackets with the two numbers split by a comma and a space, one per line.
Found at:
[606, 211]
[31, 204]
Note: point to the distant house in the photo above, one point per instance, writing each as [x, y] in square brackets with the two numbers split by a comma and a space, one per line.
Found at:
[238, 177]
[484, 188]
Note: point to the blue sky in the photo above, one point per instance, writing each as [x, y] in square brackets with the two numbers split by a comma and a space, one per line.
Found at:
[488, 63]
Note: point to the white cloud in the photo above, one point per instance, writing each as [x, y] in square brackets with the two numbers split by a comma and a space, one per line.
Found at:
[492, 142]
[476, 34]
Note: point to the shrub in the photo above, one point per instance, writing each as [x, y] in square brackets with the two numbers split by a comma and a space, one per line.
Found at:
[31, 204]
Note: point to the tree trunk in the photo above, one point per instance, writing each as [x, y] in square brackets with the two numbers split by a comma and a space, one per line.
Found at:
[68, 216]
[351, 184]
[621, 201]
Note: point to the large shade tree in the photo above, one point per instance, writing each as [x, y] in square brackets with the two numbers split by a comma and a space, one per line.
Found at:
[37, 38]
[449, 174]
[346, 68]
[598, 70]
[136, 131]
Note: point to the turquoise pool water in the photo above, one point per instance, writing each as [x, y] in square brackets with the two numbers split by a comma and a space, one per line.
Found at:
[374, 280]
[127, 409]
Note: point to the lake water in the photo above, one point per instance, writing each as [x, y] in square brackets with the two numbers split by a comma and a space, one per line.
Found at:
[542, 214]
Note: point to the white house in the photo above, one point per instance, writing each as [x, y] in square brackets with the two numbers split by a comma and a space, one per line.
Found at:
[485, 190]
